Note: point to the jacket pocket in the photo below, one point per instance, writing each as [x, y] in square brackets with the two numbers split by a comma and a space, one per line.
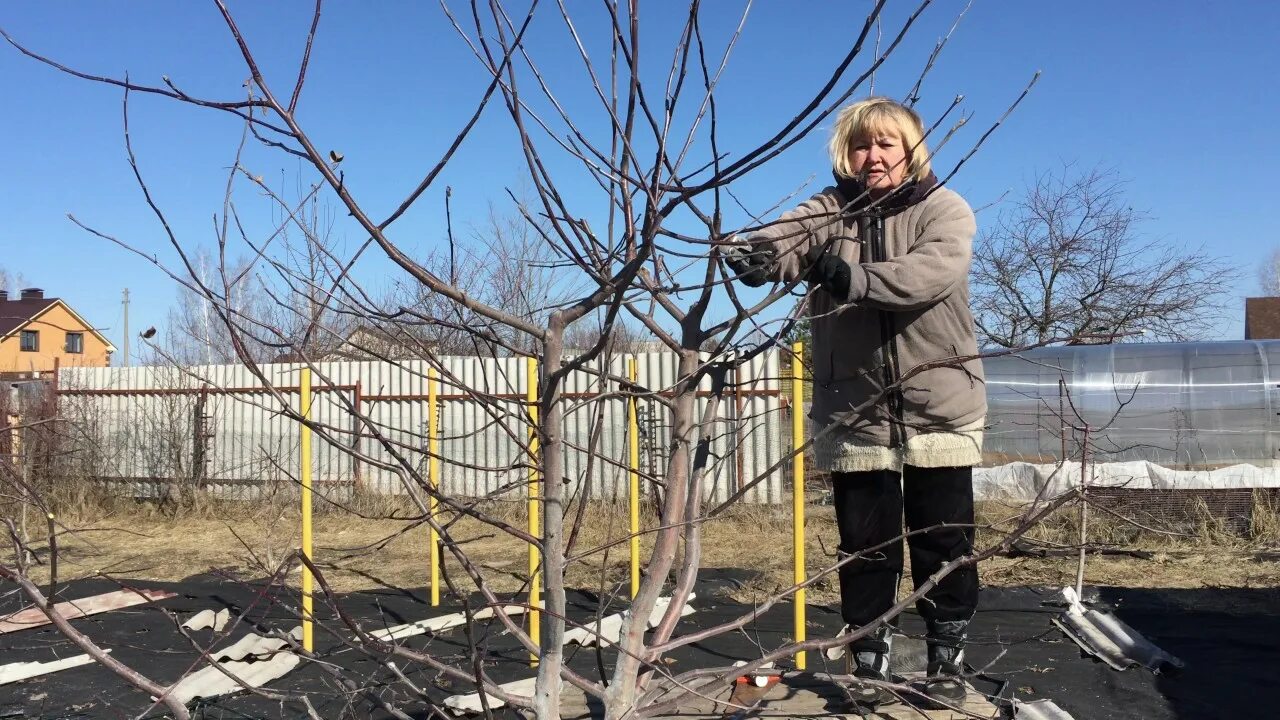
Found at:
[939, 396]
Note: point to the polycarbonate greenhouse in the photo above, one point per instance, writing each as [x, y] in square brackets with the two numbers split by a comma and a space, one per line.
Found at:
[1181, 405]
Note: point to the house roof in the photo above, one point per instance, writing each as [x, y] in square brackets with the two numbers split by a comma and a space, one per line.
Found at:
[17, 314]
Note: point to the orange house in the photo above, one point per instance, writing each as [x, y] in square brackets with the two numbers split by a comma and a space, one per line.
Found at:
[36, 332]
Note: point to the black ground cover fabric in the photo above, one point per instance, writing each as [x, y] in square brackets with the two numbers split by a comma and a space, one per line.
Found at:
[1229, 640]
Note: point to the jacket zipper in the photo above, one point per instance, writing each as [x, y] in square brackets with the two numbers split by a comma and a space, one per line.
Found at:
[889, 367]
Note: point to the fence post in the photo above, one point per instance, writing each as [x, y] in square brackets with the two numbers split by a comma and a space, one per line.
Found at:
[433, 477]
[535, 582]
[304, 403]
[633, 484]
[797, 491]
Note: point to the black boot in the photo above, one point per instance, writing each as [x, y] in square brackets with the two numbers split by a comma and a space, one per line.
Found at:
[868, 659]
[945, 684]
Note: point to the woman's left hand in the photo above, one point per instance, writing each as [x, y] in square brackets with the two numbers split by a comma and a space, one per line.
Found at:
[829, 271]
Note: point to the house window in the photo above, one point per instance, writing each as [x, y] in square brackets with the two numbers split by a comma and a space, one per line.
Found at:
[75, 342]
[30, 341]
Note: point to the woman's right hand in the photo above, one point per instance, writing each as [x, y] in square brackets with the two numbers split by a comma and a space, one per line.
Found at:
[751, 264]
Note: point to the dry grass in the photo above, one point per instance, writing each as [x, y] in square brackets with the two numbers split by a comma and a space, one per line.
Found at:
[1202, 551]
[158, 541]
[1265, 529]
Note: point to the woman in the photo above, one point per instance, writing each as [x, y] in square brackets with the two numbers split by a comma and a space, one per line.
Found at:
[887, 252]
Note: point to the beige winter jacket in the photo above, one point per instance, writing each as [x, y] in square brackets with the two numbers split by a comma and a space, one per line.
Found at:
[908, 307]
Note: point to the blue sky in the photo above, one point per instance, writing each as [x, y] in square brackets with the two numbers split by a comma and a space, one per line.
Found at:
[1175, 96]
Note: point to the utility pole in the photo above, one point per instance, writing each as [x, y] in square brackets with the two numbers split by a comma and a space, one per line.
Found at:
[125, 302]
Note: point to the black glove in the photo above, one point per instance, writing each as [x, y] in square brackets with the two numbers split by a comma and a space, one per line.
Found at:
[750, 264]
[830, 272]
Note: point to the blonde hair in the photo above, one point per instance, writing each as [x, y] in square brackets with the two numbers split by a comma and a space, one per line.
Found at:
[874, 117]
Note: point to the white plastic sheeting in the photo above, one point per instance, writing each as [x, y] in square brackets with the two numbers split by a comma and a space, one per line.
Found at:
[1039, 710]
[609, 628]
[1110, 639]
[253, 661]
[208, 620]
[470, 704]
[14, 672]
[33, 617]
[441, 622]
[138, 425]
[1022, 482]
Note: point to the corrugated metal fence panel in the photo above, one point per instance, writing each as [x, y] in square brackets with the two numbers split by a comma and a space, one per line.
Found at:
[483, 444]
[654, 371]
[143, 438]
[760, 427]
[252, 447]
[596, 432]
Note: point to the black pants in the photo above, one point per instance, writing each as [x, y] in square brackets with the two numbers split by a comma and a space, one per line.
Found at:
[869, 512]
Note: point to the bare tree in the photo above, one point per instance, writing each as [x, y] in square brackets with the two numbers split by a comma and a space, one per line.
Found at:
[1067, 258]
[279, 292]
[642, 249]
[417, 318]
[518, 271]
[622, 337]
[303, 309]
[1269, 274]
[504, 261]
[194, 333]
[13, 282]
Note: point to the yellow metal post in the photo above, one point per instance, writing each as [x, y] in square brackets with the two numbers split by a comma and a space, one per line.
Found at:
[307, 580]
[433, 476]
[535, 580]
[633, 462]
[797, 491]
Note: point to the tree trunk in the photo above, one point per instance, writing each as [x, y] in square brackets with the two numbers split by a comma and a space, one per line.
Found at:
[546, 698]
[621, 697]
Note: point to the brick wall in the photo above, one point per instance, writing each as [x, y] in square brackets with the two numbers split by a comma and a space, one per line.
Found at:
[1262, 318]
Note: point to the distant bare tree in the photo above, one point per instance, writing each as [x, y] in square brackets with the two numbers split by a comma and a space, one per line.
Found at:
[519, 270]
[11, 281]
[504, 262]
[281, 305]
[305, 318]
[623, 337]
[195, 334]
[1067, 260]
[1269, 273]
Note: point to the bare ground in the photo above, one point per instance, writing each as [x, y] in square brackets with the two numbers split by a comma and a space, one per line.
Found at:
[126, 539]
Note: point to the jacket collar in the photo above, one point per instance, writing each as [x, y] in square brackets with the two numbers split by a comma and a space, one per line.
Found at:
[901, 198]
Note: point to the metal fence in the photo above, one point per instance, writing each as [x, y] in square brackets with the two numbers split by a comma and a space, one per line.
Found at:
[223, 428]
